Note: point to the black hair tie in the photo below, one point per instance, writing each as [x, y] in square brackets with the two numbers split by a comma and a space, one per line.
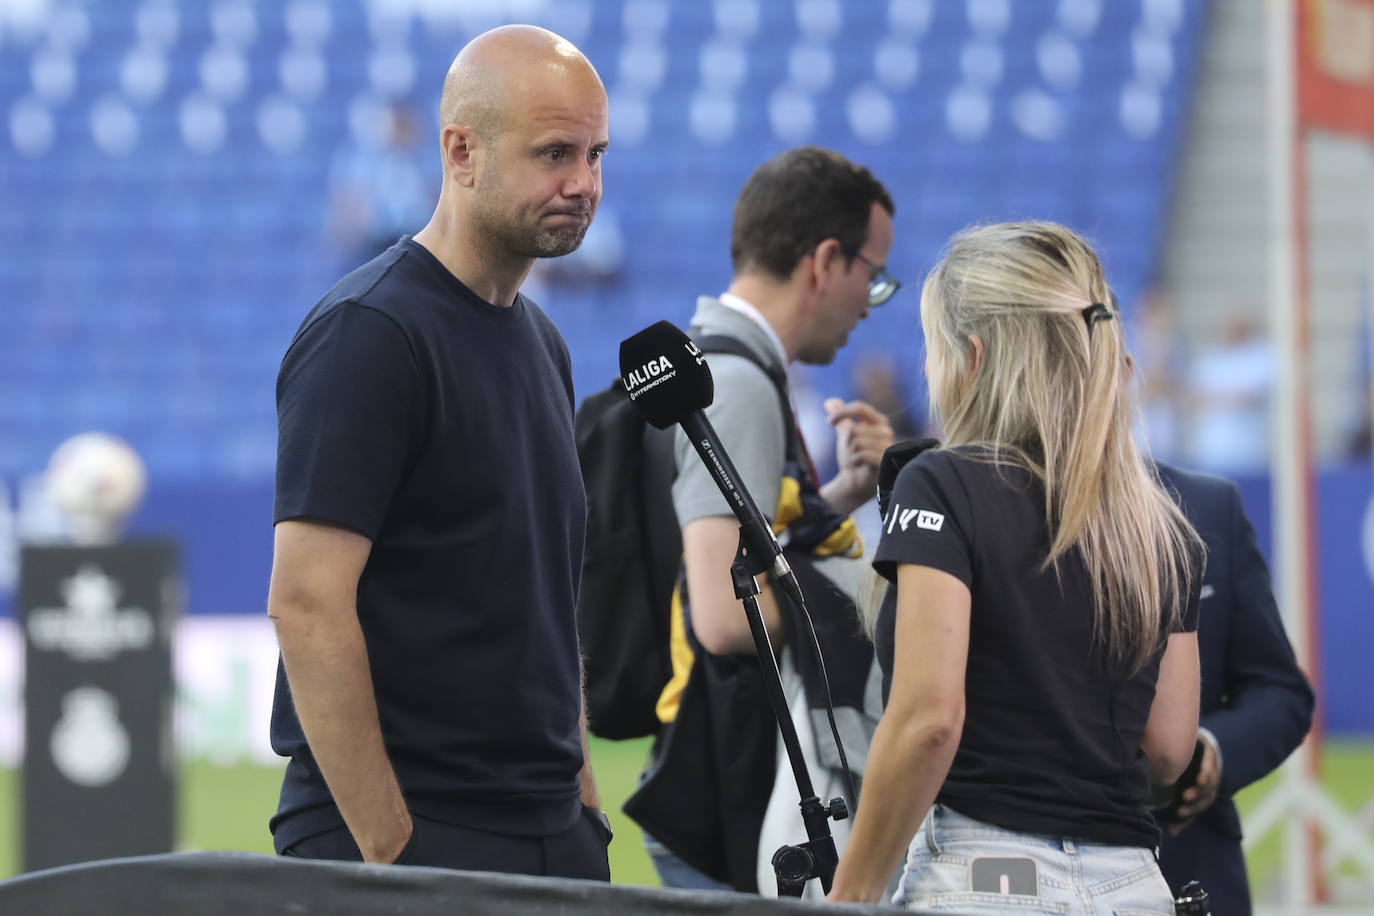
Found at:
[1095, 313]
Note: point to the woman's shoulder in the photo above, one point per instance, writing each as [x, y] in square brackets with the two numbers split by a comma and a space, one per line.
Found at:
[963, 461]
[979, 472]
[953, 471]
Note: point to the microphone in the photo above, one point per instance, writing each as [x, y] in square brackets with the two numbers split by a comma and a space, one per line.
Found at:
[666, 377]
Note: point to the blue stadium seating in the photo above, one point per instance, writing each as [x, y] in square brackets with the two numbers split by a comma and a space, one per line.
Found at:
[151, 292]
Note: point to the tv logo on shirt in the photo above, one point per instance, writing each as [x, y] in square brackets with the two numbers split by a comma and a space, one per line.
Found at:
[931, 521]
[924, 518]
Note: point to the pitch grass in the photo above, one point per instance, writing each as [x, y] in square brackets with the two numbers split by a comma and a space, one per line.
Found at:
[227, 807]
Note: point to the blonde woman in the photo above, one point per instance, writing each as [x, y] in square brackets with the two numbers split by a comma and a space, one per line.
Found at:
[1041, 640]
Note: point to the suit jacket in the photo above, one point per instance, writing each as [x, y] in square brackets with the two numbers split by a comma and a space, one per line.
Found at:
[1255, 700]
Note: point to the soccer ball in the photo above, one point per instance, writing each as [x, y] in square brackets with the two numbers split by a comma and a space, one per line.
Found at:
[96, 480]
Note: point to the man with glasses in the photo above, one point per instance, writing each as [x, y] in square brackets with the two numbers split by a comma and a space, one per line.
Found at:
[811, 233]
[882, 284]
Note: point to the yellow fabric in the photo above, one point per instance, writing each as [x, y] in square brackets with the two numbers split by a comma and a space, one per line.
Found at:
[843, 541]
[789, 504]
[680, 652]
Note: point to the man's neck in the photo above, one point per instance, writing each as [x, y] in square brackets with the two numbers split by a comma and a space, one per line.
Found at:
[493, 278]
[746, 308]
[776, 303]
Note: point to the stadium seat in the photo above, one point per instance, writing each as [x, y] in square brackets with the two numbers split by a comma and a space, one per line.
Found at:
[154, 274]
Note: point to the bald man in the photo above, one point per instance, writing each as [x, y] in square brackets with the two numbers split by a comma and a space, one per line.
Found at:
[430, 511]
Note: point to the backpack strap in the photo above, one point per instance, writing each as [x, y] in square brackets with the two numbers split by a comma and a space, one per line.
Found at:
[722, 343]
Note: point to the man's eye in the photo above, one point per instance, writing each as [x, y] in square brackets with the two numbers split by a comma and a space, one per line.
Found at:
[595, 154]
[553, 155]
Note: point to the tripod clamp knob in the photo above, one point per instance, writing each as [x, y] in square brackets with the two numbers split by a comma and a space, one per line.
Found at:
[837, 809]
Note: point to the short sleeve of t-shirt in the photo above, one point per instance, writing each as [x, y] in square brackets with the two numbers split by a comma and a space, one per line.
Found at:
[746, 416]
[347, 397]
[928, 520]
[1188, 623]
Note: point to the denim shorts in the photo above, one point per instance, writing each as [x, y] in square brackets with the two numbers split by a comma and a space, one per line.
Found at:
[1071, 877]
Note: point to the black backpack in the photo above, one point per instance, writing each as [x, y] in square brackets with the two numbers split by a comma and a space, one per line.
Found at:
[633, 553]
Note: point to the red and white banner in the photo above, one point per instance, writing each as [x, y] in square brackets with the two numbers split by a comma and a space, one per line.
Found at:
[1336, 65]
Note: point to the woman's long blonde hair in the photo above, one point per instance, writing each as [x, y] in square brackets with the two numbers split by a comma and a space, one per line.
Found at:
[1047, 387]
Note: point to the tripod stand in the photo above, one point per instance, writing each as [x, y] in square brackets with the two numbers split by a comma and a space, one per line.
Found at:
[793, 865]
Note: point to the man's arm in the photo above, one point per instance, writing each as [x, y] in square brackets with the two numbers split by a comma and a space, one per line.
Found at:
[1171, 729]
[1268, 707]
[749, 420]
[709, 543]
[718, 619]
[312, 600]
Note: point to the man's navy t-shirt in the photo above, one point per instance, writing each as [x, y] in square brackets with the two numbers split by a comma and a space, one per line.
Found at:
[440, 427]
[1051, 739]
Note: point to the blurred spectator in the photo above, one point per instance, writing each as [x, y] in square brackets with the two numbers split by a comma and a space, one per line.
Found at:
[812, 420]
[1230, 383]
[1162, 360]
[383, 188]
[879, 381]
[1358, 442]
[37, 519]
[9, 543]
[1361, 443]
[875, 379]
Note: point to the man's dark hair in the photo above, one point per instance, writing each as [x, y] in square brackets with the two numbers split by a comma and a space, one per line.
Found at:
[795, 201]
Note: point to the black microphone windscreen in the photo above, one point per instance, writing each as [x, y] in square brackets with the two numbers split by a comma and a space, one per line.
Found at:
[665, 374]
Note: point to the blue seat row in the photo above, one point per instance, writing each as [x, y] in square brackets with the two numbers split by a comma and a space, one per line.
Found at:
[153, 294]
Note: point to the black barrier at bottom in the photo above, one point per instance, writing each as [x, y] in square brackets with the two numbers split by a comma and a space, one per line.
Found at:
[235, 883]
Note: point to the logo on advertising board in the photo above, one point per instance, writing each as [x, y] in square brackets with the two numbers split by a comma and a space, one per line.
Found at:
[90, 745]
[91, 626]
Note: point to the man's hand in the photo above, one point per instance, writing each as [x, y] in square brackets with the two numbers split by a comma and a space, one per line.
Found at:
[1200, 796]
[387, 851]
[862, 434]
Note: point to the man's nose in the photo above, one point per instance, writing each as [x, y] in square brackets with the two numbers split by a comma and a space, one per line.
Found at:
[583, 181]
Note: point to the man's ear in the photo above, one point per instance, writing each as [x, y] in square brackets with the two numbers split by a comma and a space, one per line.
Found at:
[827, 255]
[463, 153]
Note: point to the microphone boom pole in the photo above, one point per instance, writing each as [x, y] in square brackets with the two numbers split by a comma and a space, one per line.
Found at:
[665, 375]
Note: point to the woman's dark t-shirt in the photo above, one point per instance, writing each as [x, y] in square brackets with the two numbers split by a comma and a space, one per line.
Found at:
[1051, 738]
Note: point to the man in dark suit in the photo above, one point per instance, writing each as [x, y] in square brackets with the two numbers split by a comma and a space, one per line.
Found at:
[1256, 703]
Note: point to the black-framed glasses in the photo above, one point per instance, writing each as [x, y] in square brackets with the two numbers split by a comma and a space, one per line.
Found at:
[882, 285]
